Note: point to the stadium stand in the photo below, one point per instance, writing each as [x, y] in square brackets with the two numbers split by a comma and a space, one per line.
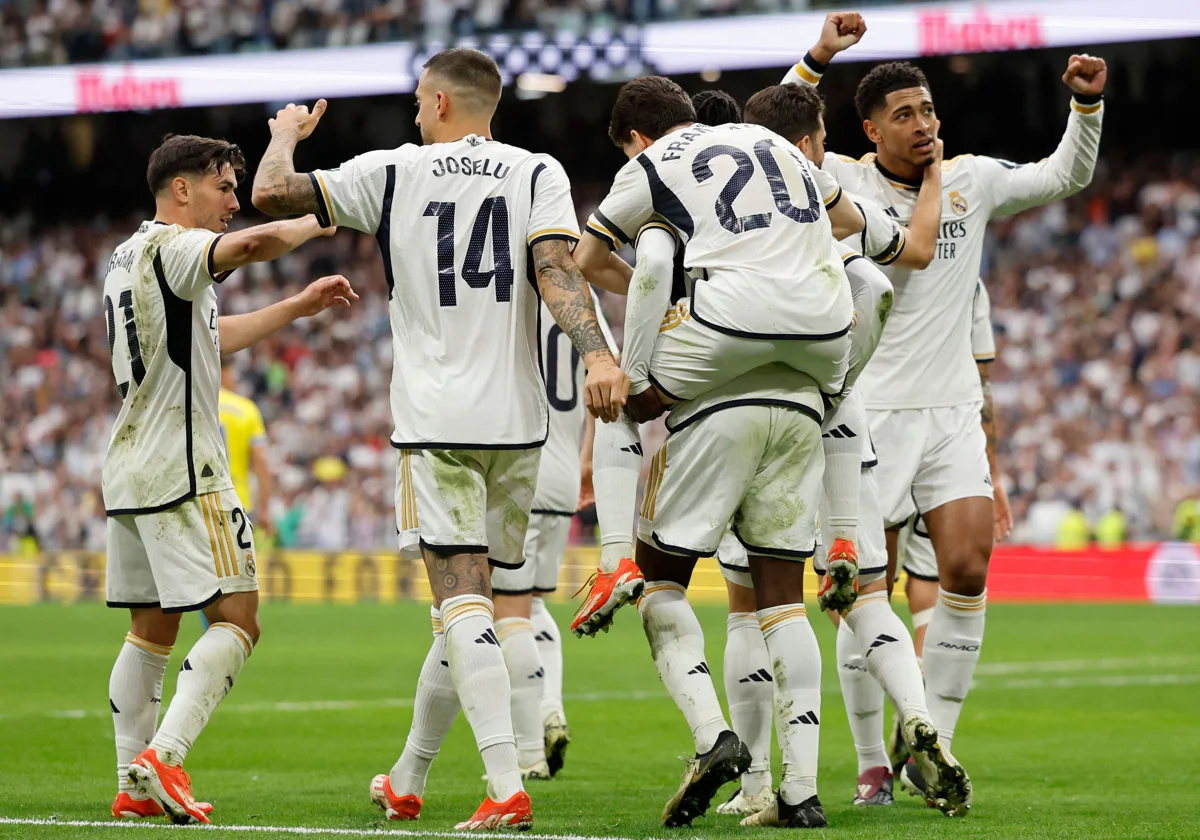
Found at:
[1096, 303]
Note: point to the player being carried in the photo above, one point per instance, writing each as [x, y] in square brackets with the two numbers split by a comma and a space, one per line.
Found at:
[179, 538]
[756, 222]
[464, 222]
[922, 390]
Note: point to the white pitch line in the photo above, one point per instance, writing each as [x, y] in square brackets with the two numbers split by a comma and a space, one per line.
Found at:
[284, 829]
[1060, 665]
[1100, 681]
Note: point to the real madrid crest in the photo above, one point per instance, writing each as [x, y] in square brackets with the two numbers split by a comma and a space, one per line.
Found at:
[958, 204]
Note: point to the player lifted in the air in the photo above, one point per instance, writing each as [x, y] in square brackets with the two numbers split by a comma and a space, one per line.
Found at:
[465, 224]
[755, 221]
[921, 389]
[179, 538]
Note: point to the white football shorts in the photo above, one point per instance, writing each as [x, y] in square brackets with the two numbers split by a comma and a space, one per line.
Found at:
[545, 542]
[871, 543]
[754, 468]
[691, 359]
[928, 457]
[915, 551]
[466, 501]
[181, 559]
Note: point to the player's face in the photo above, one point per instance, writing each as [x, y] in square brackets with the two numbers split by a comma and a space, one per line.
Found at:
[427, 108]
[213, 200]
[813, 145]
[906, 126]
[636, 144]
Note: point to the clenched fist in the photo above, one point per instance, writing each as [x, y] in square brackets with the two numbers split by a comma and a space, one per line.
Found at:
[1086, 75]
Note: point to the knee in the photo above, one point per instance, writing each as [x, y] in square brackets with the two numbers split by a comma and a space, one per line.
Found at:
[155, 626]
[965, 572]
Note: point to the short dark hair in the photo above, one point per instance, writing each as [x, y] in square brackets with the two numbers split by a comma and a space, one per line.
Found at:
[189, 154]
[470, 70]
[884, 79]
[791, 111]
[716, 107]
[651, 106]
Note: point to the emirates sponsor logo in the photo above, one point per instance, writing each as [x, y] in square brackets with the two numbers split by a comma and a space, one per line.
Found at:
[104, 90]
[942, 33]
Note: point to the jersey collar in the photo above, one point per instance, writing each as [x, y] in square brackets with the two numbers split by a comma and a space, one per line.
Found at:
[903, 183]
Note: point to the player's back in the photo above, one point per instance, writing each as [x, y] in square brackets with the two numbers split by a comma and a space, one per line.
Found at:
[161, 315]
[456, 223]
[757, 238]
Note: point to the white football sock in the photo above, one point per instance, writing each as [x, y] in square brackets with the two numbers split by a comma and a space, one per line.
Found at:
[888, 652]
[209, 671]
[135, 695]
[793, 649]
[952, 643]
[481, 680]
[434, 710]
[842, 442]
[526, 676]
[549, 643]
[863, 697]
[677, 645]
[617, 459]
[749, 689]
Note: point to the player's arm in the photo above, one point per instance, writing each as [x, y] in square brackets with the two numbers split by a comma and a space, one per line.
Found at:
[1069, 169]
[237, 332]
[587, 490]
[601, 265]
[628, 205]
[567, 296]
[263, 243]
[840, 31]
[648, 301]
[266, 484]
[278, 189]
[983, 345]
[844, 215]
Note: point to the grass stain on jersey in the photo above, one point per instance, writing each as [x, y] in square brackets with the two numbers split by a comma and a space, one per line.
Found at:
[834, 275]
[457, 487]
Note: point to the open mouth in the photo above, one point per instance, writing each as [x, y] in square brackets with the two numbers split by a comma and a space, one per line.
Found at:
[923, 146]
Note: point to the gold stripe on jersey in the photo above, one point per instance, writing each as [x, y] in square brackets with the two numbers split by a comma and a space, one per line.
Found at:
[659, 226]
[1086, 109]
[675, 316]
[806, 74]
[328, 203]
[570, 234]
[833, 199]
[222, 533]
[229, 542]
[604, 233]
[148, 646]
[208, 257]
[218, 555]
[408, 493]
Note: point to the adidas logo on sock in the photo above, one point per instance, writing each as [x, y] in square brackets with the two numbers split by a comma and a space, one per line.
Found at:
[807, 717]
[635, 448]
[116, 711]
[760, 675]
[444, 662]
[880, 640]
[187, 666]
[543, 637]
[541, 672]
[702, 668]
[488, 638]
[842, 432]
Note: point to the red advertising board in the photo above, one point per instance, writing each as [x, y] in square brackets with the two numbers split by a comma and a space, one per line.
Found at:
[1159, 572]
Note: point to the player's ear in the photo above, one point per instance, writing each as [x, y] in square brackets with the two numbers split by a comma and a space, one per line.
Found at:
[443, 105]
[872, 131]
[806, 145]
[180, 189]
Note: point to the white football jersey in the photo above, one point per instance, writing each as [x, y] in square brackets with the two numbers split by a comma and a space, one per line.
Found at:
[161, 312]
[983, 341]
[751, 213]
[924, 358]
[456, 223]
[558, 473]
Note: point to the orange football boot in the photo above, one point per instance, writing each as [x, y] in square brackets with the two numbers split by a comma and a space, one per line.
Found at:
[515, 813]
[129, 807]
[168, 785]
[839, 584]
[407, 807]
[609, 592]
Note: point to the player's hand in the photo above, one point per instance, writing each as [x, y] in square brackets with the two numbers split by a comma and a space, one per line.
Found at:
[646, 406]
[939, 151]
[296, 119]
[606, 389]
[587, 490]
[1086, 75]
[841, 31]
[322, 294]
[1002, 511]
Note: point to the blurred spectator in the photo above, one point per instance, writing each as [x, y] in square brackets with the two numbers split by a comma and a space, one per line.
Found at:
[1097, 379]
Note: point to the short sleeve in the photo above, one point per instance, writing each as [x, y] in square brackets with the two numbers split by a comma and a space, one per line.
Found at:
[186, 259]
[352, 195]
[628, 206]
[983, 341]
[827, 185]
[551, 212]
[882, 236]
[256, 427]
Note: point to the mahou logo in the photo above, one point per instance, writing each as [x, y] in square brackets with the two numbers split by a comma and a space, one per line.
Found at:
[101, 90]
[941, 33]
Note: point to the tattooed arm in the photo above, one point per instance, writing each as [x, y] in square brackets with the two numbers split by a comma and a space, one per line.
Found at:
[278, 189]
[987, 416]
[570, 302]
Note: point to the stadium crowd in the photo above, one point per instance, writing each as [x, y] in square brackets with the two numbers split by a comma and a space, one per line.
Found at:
[35, 32]
[1096, 305]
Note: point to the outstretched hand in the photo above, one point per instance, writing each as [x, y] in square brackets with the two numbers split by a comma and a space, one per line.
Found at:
[1086, 75]
[324, 293]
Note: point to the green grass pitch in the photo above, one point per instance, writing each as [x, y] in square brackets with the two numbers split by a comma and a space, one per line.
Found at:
[1083, 724]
